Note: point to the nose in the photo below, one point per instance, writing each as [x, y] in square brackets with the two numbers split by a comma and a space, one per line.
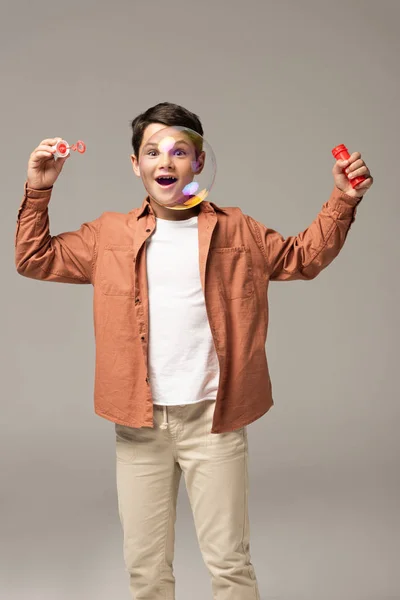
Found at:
[165, 159]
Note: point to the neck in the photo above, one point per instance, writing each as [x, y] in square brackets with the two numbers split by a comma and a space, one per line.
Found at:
[161, 212]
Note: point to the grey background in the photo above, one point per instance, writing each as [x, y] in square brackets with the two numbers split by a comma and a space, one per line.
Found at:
[277, 85]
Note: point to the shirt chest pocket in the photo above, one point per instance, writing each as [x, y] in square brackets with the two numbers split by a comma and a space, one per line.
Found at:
[116, 273]
[233, 267]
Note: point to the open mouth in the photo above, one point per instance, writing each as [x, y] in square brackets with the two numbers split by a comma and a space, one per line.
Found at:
[166, 181]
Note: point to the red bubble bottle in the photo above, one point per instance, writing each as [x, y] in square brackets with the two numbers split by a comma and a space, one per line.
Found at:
[341, 153]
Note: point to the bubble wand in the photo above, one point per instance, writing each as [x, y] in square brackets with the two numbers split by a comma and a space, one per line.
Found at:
[62, 149]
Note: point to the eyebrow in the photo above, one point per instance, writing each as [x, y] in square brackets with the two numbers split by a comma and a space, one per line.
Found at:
[155, 144]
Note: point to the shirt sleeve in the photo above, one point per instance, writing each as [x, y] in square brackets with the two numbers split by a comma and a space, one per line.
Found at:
[305, 255]
[66, 258]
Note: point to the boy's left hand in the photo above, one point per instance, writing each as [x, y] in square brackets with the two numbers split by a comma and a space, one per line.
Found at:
[355, 167]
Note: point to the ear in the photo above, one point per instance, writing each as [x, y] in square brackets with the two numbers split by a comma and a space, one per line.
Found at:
[135, 165]
[199, 163]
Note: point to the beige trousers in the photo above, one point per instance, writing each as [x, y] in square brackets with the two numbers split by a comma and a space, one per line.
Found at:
[150, 462]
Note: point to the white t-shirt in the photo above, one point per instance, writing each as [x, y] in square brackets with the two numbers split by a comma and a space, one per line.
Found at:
[183, 364]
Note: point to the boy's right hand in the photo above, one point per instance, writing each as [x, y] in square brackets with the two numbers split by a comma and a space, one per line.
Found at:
[43, 170]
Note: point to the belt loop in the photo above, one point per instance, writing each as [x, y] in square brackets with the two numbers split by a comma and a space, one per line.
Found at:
[164, 425]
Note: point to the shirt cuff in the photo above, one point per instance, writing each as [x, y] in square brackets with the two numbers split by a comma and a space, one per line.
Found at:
[342, 203]
[37, 198]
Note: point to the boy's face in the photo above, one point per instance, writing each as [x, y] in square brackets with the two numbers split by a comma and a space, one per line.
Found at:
[169, 154]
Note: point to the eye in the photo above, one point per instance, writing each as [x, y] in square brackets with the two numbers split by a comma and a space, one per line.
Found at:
[151, 153]
[182, 152]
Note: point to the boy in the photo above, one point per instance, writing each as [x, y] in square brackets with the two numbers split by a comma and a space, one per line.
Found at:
[181, 317]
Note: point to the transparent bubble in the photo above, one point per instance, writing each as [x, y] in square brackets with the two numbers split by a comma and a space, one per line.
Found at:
[177, 167]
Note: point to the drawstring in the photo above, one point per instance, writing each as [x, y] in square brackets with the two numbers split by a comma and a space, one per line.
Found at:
[164, 425]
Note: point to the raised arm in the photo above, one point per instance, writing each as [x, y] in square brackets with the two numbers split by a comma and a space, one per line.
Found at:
[67, 257]
[305, 255]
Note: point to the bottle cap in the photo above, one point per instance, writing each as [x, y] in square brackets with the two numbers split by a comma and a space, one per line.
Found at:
[338, 149]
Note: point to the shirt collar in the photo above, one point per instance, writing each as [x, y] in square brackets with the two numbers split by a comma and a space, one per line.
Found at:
[204, 207]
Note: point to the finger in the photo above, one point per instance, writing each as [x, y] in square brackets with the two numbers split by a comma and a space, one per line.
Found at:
[60, 162]
[42, 154]
[342, 163]
[365, 184]
[340, 166]
[50, 141]
[358, 173]
[355, 156]
[44, 147]
[355, 165]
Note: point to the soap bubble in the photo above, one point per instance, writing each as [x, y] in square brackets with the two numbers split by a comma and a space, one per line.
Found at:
[177, 167]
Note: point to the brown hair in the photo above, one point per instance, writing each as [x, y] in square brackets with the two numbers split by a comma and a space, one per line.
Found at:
[167, 114]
